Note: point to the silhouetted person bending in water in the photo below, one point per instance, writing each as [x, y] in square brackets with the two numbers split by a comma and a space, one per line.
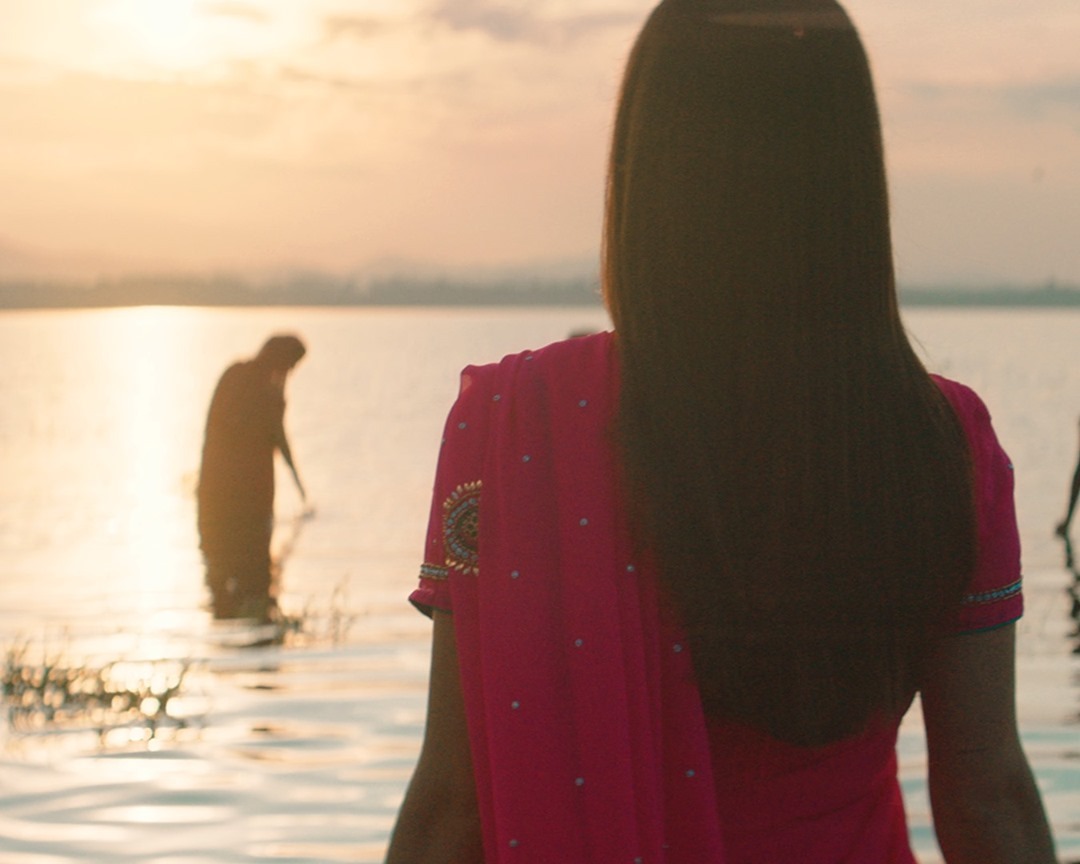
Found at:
[1074, 493]
[244, 426]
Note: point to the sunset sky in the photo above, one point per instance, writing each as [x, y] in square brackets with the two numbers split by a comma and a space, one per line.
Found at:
[250, 135]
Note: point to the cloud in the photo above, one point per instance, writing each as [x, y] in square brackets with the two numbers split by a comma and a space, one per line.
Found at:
[522, 24]
[296, 75]
[585, 25]
[351, 27]
[238, 10]
[502, 24]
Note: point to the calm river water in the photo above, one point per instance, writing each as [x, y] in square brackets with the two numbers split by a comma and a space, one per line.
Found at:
[161, 736]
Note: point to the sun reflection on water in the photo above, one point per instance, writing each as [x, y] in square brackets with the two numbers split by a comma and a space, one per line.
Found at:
[150, 449]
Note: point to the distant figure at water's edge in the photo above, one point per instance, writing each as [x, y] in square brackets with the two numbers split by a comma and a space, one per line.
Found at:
[687, 577]
[1074, 493]
[245, 426]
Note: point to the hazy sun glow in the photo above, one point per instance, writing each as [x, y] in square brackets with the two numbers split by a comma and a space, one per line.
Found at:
[163, 30]
[175, 35]
[250, 136]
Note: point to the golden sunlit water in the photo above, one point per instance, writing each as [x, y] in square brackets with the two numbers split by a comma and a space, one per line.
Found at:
[142, 730]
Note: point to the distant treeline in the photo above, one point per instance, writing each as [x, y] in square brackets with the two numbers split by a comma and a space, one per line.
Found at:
[305, 291]
[318, 290]
[1047, 295]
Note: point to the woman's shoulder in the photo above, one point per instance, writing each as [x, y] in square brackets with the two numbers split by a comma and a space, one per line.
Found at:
[575, 349]
[968, 405]
[976, 422]
[580, 368]
[955, 391]
[578, 354]
[588, 357]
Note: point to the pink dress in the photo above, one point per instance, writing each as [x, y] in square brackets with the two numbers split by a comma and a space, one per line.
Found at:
[588, 739]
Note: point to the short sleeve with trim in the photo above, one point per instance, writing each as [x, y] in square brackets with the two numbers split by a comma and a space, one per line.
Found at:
[452, 539]
[993, 596]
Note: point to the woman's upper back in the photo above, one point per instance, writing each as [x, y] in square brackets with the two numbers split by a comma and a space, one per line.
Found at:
[574, 668]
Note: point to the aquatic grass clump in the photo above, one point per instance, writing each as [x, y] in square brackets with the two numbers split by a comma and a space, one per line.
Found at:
[308, 628]
[139, 697]
[316, 624]
[45, 693]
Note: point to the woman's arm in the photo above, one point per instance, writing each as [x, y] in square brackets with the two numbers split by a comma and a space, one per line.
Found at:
[439, 822]
[987, 808]
[281, 441]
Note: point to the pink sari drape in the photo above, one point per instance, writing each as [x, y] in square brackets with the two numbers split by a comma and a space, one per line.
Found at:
[589, 743]
[588, 737]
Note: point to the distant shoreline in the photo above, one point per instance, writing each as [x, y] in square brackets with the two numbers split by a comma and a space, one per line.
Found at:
[1051, 296]
[319, 291]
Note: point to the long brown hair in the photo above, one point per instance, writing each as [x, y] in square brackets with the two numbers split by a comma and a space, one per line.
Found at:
[803, 483]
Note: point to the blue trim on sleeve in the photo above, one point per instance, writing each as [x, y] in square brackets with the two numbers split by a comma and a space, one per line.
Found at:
[993, 596]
